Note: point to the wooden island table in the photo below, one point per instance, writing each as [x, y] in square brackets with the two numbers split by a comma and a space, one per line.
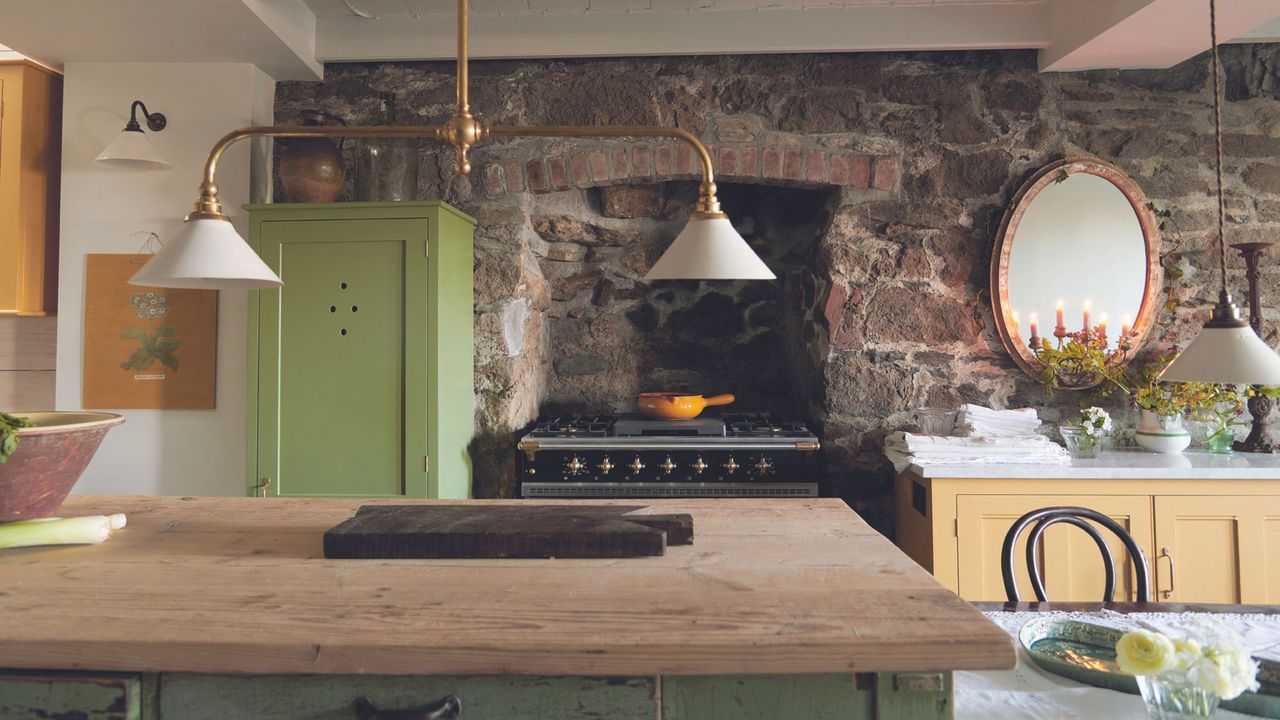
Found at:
[226, 608]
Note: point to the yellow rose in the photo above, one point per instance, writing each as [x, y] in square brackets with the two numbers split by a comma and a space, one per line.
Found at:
[1142, 652]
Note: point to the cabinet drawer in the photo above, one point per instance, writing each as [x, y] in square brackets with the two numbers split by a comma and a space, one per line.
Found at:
[214, 697]
[84, 696]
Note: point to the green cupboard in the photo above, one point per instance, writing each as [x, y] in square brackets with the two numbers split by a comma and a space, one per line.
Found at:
[360, 369]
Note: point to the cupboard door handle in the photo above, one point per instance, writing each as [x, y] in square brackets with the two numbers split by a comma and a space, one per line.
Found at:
[261, 487]
[446, 708]
[1164, 553]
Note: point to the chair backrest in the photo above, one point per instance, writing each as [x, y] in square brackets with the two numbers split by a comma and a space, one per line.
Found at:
[1079, 517]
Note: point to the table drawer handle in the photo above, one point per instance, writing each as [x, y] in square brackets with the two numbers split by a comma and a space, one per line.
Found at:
[446, 708]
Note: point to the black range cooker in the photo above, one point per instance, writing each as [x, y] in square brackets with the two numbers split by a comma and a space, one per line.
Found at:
[609, 456]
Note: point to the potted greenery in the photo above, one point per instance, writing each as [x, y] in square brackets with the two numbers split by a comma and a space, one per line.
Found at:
[1219, 407]
[1163, 406]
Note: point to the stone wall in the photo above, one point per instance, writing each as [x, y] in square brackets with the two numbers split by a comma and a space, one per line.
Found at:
[873, 183]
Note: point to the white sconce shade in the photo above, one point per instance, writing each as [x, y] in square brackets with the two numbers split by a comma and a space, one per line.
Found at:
[708, 248]
[207, 255]
[1229, 355]
[131, 148]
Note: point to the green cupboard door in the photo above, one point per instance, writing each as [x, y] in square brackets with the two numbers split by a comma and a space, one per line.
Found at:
[334, 358]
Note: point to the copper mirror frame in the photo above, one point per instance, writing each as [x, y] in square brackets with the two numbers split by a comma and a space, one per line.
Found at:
[1019, 347]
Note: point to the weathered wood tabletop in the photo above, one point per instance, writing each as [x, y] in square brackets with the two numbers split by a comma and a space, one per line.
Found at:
[240, 585]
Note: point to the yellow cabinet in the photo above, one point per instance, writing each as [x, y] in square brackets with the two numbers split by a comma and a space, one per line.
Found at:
[1206, 540]
[1218, 549]
[1069, 559]
[30, 169]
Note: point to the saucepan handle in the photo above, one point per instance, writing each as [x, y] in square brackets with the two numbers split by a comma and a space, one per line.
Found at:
[720, 400]
[446, 708]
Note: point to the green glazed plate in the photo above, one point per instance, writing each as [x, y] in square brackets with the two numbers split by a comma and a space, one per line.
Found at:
[1086, 653]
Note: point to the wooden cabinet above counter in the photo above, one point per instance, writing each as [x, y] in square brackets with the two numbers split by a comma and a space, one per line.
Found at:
[30, 172]
[1208, 524]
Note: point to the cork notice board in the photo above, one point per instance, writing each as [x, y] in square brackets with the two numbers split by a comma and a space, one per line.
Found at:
[146, 347]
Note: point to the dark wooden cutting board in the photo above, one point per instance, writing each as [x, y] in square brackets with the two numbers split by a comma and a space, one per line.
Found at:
[505, 531]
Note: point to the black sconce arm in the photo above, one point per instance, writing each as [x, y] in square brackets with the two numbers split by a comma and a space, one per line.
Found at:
[155, 121]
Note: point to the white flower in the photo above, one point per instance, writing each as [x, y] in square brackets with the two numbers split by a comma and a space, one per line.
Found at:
[1213, 657]
[1095, 421]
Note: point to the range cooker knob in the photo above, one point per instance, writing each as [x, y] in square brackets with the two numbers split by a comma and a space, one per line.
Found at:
[605, 466]
[698, 466]
[730, 465]
[636, 466]
[763, 465]
[667, 466]
[575, 465]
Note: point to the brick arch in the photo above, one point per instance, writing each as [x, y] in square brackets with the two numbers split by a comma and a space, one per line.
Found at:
[587, 166]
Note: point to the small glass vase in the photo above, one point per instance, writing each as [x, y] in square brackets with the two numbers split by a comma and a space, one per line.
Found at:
[1171, 697]
[1219, 440]
[1080, 443]
[937, 421]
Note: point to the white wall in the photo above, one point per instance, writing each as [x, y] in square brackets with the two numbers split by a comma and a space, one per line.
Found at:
[163, 452]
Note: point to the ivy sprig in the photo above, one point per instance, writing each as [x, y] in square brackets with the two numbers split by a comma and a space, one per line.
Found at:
[9, 426]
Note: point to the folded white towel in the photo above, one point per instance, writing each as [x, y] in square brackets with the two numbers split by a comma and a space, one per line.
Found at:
[978, 421]
[904, 449]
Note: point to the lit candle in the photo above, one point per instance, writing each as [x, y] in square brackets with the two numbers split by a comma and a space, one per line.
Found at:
[1102, 325]
[1017, 323]
[1061, 325]
[1124, 326]
[1035, 326]
[1086, 316]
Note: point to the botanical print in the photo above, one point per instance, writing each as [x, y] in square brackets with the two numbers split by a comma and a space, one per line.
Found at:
[146, 347]
[159, 344]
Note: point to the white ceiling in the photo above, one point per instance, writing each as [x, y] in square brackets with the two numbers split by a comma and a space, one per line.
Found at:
[291, 38]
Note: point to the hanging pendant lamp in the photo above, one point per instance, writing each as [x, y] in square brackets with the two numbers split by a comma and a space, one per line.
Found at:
[211, 254]
[1227, 350]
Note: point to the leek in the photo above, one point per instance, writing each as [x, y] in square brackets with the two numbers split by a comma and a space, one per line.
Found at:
[90, 529]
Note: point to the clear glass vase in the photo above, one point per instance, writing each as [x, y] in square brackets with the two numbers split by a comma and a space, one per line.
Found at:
[1171, 697]
[386, 168]
[1081, 444]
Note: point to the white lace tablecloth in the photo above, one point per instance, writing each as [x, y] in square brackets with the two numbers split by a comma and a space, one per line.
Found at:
[1029, 693]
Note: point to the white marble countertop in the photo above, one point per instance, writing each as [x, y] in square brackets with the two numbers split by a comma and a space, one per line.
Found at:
[1128, 463]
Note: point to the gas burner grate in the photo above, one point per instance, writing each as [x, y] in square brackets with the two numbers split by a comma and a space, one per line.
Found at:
[761, 425]
[575, 426]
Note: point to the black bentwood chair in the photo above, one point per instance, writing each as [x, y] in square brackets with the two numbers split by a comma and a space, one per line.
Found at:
[1077, 516]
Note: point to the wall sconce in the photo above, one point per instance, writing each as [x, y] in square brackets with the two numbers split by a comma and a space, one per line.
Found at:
[131, 148]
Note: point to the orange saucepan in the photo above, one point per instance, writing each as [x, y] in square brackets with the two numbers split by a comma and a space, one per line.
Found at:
[675, 406]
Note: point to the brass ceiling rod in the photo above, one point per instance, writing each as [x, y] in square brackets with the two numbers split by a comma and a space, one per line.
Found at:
[463, 131]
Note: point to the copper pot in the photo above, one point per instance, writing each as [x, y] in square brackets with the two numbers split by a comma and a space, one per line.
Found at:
[49, 460]
[676, 406]
[312, 169]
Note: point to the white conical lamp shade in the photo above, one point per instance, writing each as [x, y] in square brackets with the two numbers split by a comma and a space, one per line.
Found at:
[131, 148]
[709, 249]
[207, 255]
[1232, 355]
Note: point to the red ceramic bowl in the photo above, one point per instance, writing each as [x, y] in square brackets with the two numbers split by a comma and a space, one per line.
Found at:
[49, 460]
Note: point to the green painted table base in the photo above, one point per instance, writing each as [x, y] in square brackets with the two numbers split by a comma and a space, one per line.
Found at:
[114, 696]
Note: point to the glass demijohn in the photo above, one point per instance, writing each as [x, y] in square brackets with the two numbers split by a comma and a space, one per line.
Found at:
[386, 168]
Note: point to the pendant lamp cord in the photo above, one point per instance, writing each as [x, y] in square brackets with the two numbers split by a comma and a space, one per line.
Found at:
[1217, 134]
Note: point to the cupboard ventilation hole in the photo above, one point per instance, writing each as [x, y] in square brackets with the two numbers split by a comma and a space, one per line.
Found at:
[355, 309]
[344, 286]
[333, 308]
[344, 331]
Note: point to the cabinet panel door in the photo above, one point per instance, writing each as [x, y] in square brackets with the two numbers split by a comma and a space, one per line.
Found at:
[341, 401]
[1218, 549]
[1069, 559]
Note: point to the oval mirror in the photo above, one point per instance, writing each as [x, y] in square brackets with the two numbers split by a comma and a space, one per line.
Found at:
[1078, 250]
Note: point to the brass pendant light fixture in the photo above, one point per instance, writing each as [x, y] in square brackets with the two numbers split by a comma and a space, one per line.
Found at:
[209, 253]
[1227, 350]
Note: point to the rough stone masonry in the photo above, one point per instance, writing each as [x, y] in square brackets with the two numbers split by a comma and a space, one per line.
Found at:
[873, 183]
